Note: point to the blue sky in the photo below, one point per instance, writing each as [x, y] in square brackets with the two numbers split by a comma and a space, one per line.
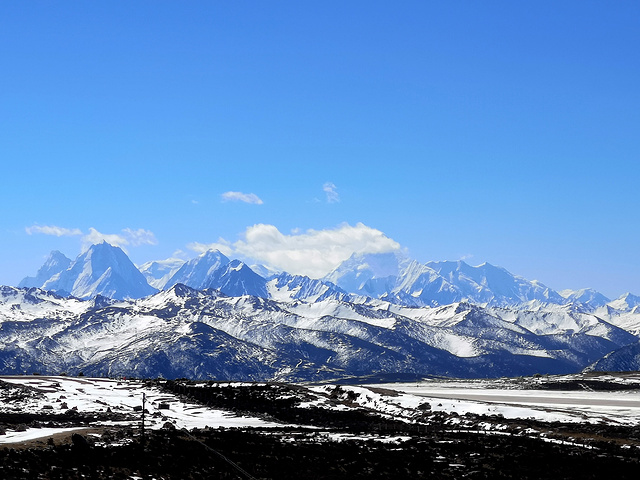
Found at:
[504, 132]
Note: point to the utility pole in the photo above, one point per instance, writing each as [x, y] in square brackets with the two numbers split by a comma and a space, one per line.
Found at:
[144, 399]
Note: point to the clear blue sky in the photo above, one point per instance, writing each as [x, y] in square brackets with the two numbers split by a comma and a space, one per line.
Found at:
[497, 131]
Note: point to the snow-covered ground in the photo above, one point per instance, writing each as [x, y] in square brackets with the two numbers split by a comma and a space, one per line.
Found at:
[492, 398]
[120, 402]
[96, 395]
[35, 433]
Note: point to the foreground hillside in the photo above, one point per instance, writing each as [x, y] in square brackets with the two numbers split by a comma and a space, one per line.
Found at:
[204, 334]
[63, 427]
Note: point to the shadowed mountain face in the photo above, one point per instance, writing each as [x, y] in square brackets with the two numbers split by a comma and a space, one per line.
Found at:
[183, 332]
[625, 359]
[221, 320]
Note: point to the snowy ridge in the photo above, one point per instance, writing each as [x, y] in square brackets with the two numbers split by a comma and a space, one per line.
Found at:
[159, 272]
[397, 279]
[625, 302]
[286, 287]
[625, 359]
[55, 263]
[221, 320]
[184, 332]
[196, 272]
[102, 270]
[585, 296]
[391, 277]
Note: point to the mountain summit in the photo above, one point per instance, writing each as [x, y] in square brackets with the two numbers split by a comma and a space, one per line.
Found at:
[56, 262]
[392, 277]
[372, 274]
[102, 270]
[197, 272]
[398, 279]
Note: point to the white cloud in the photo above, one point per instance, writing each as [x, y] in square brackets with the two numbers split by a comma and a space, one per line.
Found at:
[140, 237]
[331, 191]
[242, 197]
[313, 253]
[128, 237]
[181, 254]
[94, 236]
[53, 230]
[224, 246]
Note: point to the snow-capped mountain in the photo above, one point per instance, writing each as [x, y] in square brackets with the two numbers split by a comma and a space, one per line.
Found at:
[102, 270]
[55, 263]
[586, 296]
[420, 285]
[373, 274]
[183, 332]
[395, 278]
[214, 270]
[197, 272]
[392, 277]
[623, 312]
[211, 269]
[236, 279]
[624, 359]
[487, 283]
[385, 313]
[625, 302]
[265, 271]
[287, 287]
[159, 272]
[29, 304]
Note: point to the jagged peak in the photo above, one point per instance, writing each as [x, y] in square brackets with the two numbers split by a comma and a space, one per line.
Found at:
[213, 252]
[182, 290]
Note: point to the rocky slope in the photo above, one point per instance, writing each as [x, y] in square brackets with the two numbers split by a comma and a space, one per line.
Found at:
[183, 332]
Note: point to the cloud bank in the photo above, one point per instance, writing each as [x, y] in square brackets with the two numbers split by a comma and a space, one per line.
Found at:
[313, 253]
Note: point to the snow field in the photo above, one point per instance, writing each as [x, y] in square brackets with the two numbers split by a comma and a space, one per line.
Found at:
[93, 395]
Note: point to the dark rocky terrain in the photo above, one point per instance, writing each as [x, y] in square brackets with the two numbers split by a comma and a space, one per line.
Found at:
[174, 454]
[348, 442]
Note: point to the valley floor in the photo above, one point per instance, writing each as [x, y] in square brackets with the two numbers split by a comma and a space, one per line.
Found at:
[579, 426]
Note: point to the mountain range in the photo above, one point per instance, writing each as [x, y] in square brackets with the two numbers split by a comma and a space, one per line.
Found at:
[106, 270]
[383, 314]
[184, 332]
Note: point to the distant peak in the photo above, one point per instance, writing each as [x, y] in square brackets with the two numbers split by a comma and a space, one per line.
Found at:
[102, 246]
[57, 256]
[630, 298]
[212, 251]
[214, 254]
[181, 290]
